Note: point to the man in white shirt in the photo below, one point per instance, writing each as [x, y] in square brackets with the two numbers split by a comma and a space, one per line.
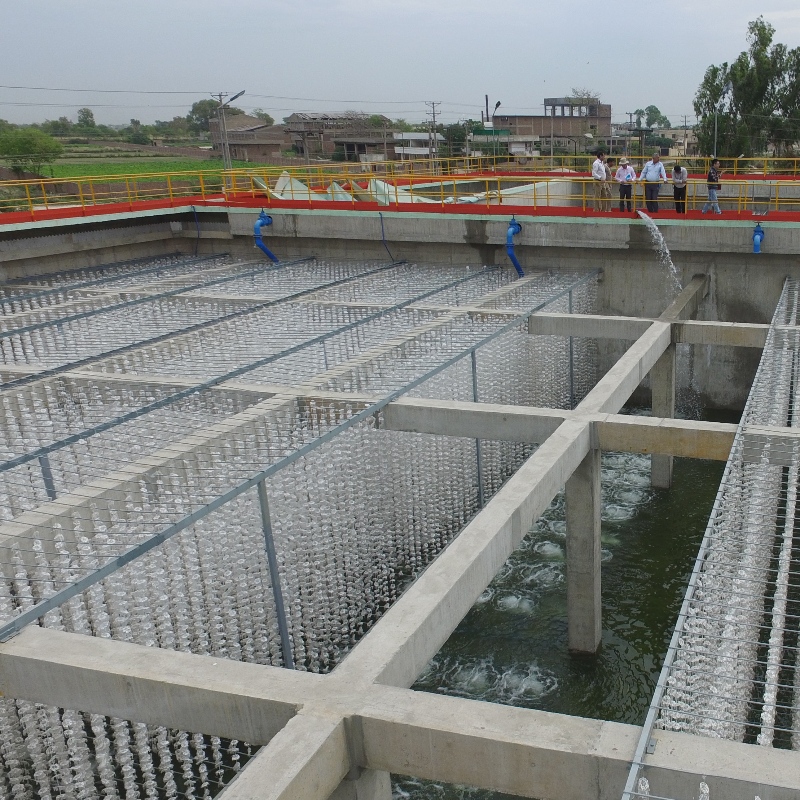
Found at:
[653, 175]
[599, 179]
[625, 177]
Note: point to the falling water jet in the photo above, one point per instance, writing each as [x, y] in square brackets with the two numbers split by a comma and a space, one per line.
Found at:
[662, 251]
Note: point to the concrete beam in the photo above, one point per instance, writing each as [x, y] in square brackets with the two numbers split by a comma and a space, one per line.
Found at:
[593, 326]
[584, 604]
[473, 420]
[685, 305]
[615, 432]
[730, 334]
[677, 437]
[734, 771]
[662, 385]
[217, 696]
[489, 746]
[413, 630]
[613, 390]
[306, 761]
[320, 727]
[599, 326]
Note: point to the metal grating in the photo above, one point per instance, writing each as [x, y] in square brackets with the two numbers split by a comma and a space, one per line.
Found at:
[171, 478]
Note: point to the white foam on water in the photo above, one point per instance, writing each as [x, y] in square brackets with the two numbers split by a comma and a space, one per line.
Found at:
[549, 550]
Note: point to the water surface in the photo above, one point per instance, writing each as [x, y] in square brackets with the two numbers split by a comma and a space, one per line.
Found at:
[512, 646]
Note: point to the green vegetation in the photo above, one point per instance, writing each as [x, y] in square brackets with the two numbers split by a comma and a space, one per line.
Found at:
[142, 166]
[755, 100]
[201, 113]
[653, 118]
[28, 149]
[261, 114]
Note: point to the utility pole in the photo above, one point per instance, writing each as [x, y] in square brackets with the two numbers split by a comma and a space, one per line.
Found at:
[432, 104]
[630, 130]
[685, 134]
[715, 133]
[227, 164]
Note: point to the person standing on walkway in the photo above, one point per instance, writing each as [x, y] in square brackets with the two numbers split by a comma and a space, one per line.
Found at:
[713, 187]
[606, 193]
[653, 175]
[625, 177]
[599, 179]
[679, 178]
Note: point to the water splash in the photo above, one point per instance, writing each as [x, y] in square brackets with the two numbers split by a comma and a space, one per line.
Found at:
[643, 789]
[662, 251]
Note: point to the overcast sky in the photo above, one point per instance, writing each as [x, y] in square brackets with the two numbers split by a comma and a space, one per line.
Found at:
[378, 56]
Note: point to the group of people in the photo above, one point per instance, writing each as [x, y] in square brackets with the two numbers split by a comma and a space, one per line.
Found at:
[652, 176]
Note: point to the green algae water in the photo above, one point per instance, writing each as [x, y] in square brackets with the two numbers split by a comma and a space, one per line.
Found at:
[512, 646]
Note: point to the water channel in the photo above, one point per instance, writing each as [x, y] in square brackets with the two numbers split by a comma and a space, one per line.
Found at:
[512, 646]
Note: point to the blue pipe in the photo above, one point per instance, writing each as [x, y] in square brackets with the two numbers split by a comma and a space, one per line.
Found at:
[383, 237]
[513, 229]
[263, 219]
[758, 237]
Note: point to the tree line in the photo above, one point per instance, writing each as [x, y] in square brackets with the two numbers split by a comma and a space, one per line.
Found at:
[752, 105]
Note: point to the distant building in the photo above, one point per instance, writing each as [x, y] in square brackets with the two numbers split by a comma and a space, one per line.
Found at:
[320, 134]
[410, 145]
[685, 140]
[577, 122]
[488, 141]
[627, 137]
[250, 138]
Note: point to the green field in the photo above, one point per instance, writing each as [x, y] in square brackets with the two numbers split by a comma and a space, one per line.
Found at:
[136, 166]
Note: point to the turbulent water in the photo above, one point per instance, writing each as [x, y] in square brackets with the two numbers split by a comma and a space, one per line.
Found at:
[662, 251]
[512, 647]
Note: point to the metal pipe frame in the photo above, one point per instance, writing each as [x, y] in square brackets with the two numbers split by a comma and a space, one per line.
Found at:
[61, 596]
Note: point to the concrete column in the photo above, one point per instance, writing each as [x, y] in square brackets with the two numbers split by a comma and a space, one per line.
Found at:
[662, 384]
[584, 607]
[371, 785]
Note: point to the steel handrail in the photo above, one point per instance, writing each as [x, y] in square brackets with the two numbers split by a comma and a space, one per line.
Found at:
[740, 193]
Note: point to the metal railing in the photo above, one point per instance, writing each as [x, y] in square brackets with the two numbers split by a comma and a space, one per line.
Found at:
[347, 185]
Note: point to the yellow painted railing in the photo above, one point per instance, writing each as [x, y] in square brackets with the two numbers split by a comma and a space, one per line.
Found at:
[452, 190]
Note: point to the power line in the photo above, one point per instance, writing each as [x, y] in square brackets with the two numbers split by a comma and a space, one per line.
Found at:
[82, 105]
[204, 92]
[98, 91]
